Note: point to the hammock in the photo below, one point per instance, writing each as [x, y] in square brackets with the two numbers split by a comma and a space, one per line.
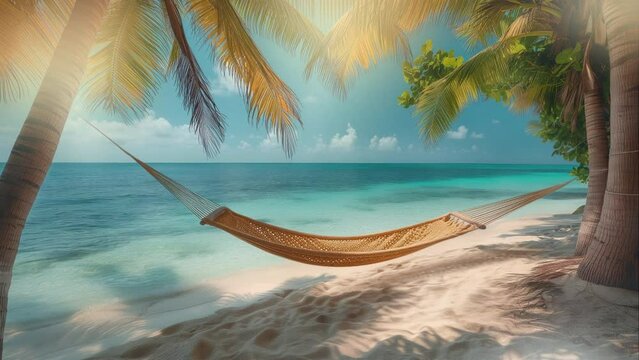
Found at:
[339, 250]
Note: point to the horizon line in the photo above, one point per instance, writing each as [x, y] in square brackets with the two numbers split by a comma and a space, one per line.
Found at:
[302, 162]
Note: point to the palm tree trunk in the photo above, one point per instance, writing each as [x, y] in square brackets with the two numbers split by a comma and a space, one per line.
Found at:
[612, 258]
[597, 137]
[36, 144]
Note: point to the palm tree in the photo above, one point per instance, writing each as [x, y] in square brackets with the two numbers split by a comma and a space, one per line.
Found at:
[613, 256]
[35, 146]
[374, 28]
[135, 43]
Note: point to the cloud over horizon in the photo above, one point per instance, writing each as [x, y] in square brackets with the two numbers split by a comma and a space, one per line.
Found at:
[458, 134]
[384, 143]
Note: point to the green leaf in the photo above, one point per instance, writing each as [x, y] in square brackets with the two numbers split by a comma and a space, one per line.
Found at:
[450, 62]
[404, 99]
[427, 47]
[565, 56]
[516, 48]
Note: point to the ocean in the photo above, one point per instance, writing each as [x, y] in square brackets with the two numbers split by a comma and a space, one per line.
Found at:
[105, 232]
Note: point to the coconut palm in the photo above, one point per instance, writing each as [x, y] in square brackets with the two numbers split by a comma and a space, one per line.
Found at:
[363, 35]
[613, 257]
[123, 49]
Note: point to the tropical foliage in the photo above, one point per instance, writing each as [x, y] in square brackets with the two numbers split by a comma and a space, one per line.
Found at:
[568, 32]
[535, 78]
[142, 42]
[122, 50]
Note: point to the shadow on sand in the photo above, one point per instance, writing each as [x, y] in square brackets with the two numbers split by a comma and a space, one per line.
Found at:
[364, 316]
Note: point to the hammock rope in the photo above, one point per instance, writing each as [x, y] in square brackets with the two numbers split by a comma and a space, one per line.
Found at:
[339, 250]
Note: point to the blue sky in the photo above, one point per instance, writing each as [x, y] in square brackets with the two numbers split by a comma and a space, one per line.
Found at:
[368, 126]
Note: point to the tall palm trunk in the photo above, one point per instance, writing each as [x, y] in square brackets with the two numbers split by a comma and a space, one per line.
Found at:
[597, 137]
[612, 258]
[36, 144]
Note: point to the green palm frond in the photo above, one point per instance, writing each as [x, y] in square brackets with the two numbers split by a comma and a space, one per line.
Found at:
[439, 104]
[281, 21]
[128, 65]
[373, 29]
[268, 98]
[206, 119]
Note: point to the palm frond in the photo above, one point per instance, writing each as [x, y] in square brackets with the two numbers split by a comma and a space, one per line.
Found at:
[29, 33]
[371, 30]
[126, 69]
[532, 22]
[269, 99]
[571, 97]
[439, 104]
[489, 17]
[323, 12]
[206, 119]
[281, 21]
[534, 127]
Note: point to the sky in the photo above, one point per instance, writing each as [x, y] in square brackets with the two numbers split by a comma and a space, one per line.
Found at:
[367, 126]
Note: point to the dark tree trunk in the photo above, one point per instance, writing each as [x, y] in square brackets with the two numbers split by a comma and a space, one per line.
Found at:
[36, 144]
[597, 137]
[612, 258]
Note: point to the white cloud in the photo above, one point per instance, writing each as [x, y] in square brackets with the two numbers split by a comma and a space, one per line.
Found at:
[269, 142]
[151, 138]
[411, 147]
[224, 83]
[475, 135]
[244, 145]
[495, 121]
[458, 134]
[344, 142]
[385, 143]
[474, 148]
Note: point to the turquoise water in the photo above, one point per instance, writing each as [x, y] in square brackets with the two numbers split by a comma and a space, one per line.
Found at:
[101, 232]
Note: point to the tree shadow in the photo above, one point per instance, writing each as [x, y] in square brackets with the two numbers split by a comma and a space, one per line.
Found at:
[556, 236]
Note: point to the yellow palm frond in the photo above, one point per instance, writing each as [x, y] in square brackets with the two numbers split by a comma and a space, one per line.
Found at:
[532, 22]
[323, 12]
[29, 33]
[372, 29]
[206, 119]
[131, 56]
[268, 98]
[279, 20]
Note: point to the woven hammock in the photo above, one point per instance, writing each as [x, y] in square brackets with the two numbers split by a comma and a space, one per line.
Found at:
[339, 250]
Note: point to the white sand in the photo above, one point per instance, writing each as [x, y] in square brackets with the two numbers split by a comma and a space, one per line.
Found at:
[470, 297]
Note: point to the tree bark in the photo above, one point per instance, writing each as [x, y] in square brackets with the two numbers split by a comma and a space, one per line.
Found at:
[612, 258]
[37, 142]
[597, 137]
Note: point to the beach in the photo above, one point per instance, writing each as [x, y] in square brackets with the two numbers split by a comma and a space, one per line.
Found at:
[99, 269]
[475, 296]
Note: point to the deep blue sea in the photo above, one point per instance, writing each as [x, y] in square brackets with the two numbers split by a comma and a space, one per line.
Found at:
[100, 232]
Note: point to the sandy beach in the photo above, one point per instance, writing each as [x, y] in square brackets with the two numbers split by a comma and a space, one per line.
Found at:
[500, 293]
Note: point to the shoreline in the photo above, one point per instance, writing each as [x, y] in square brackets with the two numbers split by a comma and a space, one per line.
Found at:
[126, 325]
